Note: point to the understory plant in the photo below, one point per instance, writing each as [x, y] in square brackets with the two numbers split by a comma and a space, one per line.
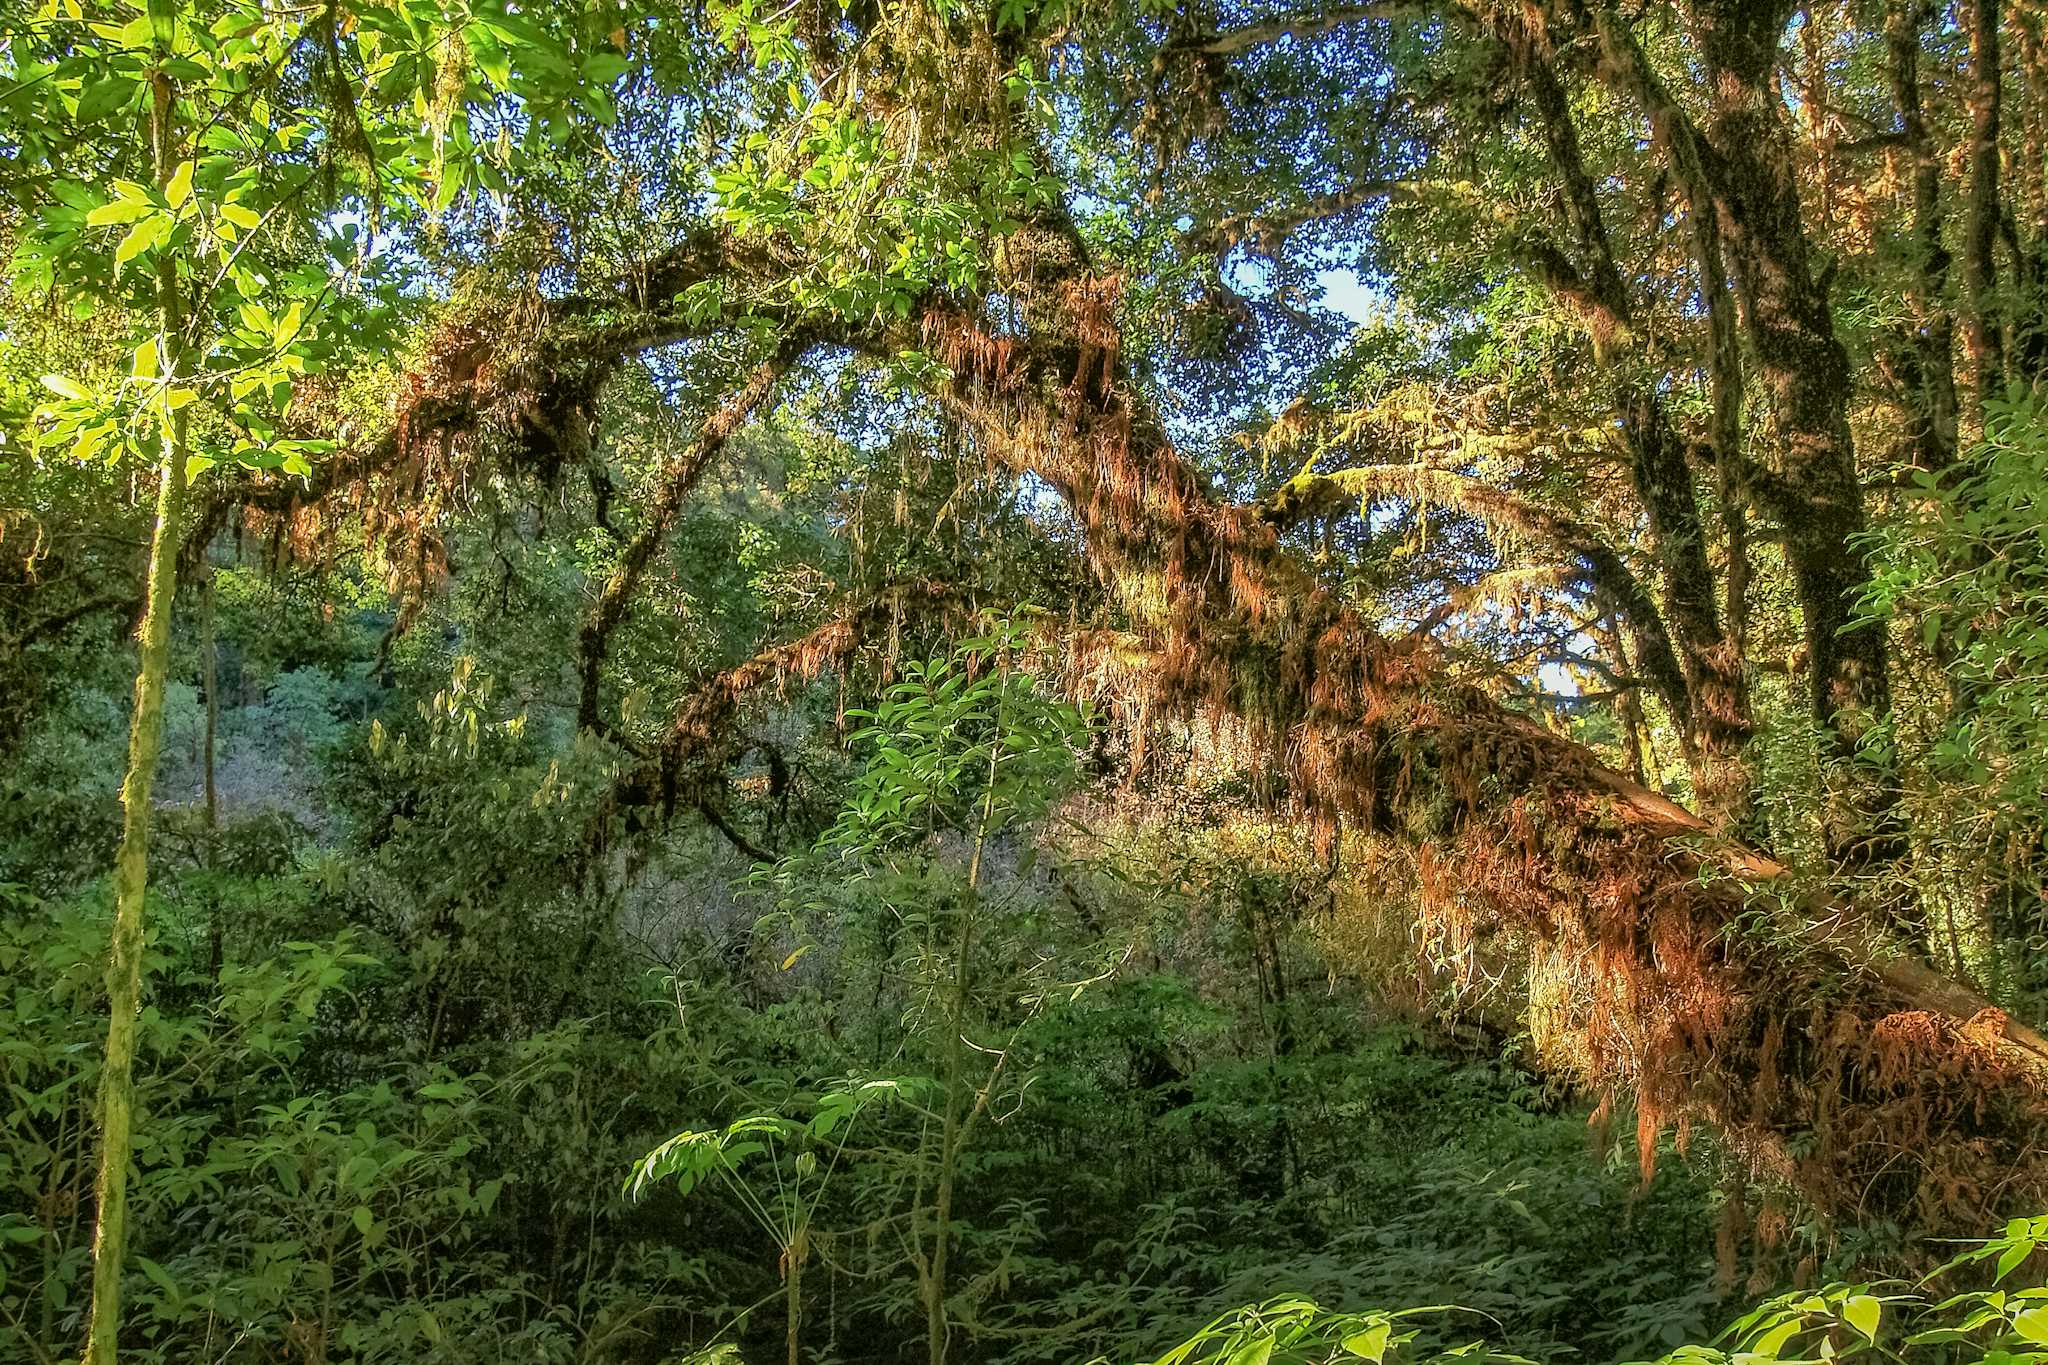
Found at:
[1932, 1321]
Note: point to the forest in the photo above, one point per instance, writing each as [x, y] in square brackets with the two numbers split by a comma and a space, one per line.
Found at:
[1023, 682]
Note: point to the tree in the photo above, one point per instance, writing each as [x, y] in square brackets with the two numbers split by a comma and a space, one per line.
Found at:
[237, 241]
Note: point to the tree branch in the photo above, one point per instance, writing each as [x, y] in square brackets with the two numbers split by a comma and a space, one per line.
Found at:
[1308, 24]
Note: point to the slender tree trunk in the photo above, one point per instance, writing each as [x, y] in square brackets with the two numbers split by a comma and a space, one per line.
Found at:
[956, 1116]
[209, 653]
[1981, 335]
[1717, 691]
[1628, 707]
[949, 1163]
[1820, 124]
[793, 1276]
[131, 863]
[2027, 235]
[1932, 379]
[208, 644]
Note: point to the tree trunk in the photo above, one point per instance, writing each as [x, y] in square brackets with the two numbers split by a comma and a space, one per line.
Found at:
[1931, 381]
[1653, 966]
[131, 862]
[1819, 1060]
[2027, 235]
[1981, 335]
[1718, 718]
[209, 652]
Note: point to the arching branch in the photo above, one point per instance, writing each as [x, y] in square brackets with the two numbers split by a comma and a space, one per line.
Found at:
[707, 733]
[677, 478]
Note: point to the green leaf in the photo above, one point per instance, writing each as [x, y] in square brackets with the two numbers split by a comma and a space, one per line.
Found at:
[103, 97]
[163, 21]
[119, 211]
[145, 363]
[64, 388]
[1771, 1342]
[1257, 1351]
[161, 1278]
[179, 188]
[605, 67]
[2032, 1326]
[1864, 1313]
[363, 1219]
[490, 58]
[140, 238]
[1371, 1344]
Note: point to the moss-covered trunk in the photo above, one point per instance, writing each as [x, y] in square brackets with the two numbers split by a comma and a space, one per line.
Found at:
[131, 862]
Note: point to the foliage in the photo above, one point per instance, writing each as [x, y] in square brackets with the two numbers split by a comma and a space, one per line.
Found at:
[1965, 574]
[1837, 1322]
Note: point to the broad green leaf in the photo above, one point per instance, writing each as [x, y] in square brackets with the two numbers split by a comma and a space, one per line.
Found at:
[118, 211]
[1770, 1343]
[1371, 1344]
[161, 1278]
[1257, 1351]
[140, 238]
[103, 97]
[1864, 1313]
